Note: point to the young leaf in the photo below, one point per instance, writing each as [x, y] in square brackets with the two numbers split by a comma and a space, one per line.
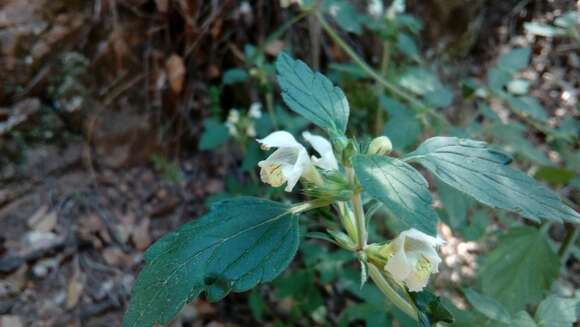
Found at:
[519, 270]
[558, 312]
[241, 242]
[312, 95]
[487, 306]
[400, 187]
[473, 168]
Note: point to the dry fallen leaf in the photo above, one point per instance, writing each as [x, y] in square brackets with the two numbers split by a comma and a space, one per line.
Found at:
[43, 220]
[175, 72]
[116, 257]
[141, 237]
[11, 321]
[162, 5]
[75, 287]
[274, 48]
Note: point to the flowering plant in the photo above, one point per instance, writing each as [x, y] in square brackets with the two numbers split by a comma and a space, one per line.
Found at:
[244, 241]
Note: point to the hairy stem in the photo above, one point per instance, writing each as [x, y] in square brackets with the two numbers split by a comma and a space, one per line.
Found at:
[400, 302]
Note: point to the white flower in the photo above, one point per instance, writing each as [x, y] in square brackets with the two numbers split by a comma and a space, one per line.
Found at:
[287, 3]
[413, 258]
[327, 159]
[287, 164]
[232, 129]
[251, 130]
[255, 110]
[233, 116]
[375, 8]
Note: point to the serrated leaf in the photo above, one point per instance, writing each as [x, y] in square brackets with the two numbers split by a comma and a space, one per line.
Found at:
[487, 306]
[402, 189]
[241, 242]
[473, 168]
[520, 269]
[557, 311]
[312, 95]
[402, 127]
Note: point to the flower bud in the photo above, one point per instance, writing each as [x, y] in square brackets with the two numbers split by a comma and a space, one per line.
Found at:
[381, 145]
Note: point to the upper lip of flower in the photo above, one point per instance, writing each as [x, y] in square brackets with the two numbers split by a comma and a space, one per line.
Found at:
[327, 159]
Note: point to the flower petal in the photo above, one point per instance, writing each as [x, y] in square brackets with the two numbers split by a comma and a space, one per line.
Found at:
[280, 139]
[327, 159]
[422, 237]
[399, 265]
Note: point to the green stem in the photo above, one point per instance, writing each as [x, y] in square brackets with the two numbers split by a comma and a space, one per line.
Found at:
[401, 303]
[568, 242]
[270, 108]
[386, 58]
[376, 76]
[359, 218]
[358, 210]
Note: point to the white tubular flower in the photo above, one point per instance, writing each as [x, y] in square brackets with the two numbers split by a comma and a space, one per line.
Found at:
[413, 258]
[255, 110]
[233, 116]
[287, 164]
[232, 129]
[327, 159]
[375, 8]
[251, 130]
[287, 3]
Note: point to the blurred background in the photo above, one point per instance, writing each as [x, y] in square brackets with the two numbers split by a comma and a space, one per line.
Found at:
[122, 119]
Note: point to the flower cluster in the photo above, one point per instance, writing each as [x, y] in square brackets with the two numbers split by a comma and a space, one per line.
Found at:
[238, 124]
[409, 259]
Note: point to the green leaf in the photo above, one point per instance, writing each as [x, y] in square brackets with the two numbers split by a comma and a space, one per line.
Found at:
[431, 309]
[557, 311]
[419, 80]
[522, 319]
[482, 173]
[497, 78]
[241, 242]
[515, 59]
[456, 203]
[543, 29]
[312, 95]
[520, 269]
[344, 14]
[402, 127]
[487, 306]
[554, 175]
[529, 107]
[235, 75]
[407, 45]
[400, 187]
[215, 134]
[512, 135]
